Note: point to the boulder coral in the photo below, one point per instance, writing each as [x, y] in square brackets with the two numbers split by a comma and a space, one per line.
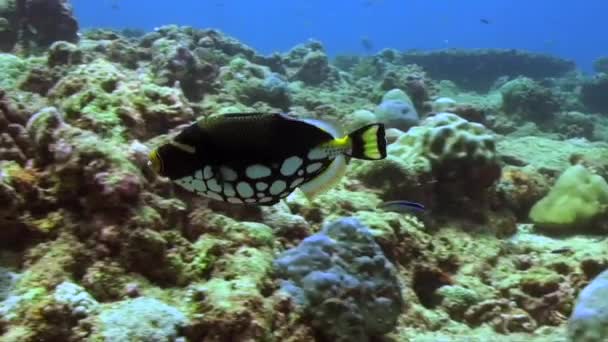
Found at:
[528, 99]
[397, 111]
[343, 281]
[309, 63]
[576, 199]
[589, 320]
[444, 160]
[456, 149]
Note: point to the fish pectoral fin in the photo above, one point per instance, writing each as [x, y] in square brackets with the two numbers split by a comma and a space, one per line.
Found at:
[326, 179]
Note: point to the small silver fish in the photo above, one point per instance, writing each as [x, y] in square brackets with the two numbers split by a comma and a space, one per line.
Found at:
[402, 206]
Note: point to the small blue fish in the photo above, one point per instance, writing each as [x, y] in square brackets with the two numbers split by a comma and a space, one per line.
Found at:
[402, 206]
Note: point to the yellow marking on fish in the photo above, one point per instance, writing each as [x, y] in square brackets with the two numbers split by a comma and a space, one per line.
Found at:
[370, 134]
[370, 146]
[155, 162]
[340, 143]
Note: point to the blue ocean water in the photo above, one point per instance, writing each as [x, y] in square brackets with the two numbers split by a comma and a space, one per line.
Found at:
[567, 28]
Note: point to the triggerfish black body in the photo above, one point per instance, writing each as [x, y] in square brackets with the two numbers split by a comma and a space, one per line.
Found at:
[261, 158]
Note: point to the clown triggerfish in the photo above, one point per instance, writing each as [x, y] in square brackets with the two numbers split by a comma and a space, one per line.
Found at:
[261, 158]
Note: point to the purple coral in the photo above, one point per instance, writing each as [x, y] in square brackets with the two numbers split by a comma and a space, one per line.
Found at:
[344, 282]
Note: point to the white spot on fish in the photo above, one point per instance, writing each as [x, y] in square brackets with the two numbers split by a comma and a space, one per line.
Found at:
[228, 174]
[234, 200]
[266, 200]
[198, 174]
[251, 200]
[207, 172]
[214, 196]
[313, 167]
[260, 194]
[261, 186]
[213, 185]
[296, 182]
[186, 183]
[229, 190]
[244, 189]
[300, 172]
[258, 171]
[199, 185]
[277, 187]
[291, 165]
[187, 186]
[317, 153]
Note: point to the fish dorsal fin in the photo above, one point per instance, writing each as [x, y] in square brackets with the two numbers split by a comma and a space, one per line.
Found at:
[218, 118]
[327, 179]
[328, 126]
[332, 128]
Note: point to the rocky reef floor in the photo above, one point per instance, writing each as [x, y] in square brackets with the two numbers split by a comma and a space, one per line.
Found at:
[95, 247]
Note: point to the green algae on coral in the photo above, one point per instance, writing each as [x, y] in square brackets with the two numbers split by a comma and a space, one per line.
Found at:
[52, 262]
[12, 68]
[576, 199]
[48, 224]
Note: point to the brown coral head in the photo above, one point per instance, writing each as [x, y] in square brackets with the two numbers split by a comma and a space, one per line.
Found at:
[486, 176]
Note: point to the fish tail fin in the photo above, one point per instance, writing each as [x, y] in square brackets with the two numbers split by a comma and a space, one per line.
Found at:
[368, 142]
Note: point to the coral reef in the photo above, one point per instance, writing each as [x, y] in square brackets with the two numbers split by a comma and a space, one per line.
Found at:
[577, 198]
[141, 319]
[523, 96]
[173, 62]
[576, 125]
[385, 69]
[593, 93]
[601, 65]
[397, 111]
[14, 142]
[589, 317]
[457, 148]
[308, 63]
[36, 23]
[451, 150]
[489, 64]
[342, 279]
[94, 246]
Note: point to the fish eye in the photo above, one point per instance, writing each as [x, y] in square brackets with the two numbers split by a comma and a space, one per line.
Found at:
[155, 162]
